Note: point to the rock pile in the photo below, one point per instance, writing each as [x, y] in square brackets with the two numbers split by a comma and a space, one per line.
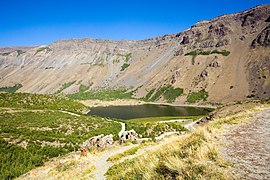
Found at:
[207, 118]
[99, 141]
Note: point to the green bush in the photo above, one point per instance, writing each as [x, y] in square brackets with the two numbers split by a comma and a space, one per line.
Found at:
[197, 96]
[197, 52]
[43, 49]
[168, 92]
[84, 88]
[104, 94]
[124, 66]
[148, 95]
[39, 101]
[39, 123]
[128, 57]
[171, 94]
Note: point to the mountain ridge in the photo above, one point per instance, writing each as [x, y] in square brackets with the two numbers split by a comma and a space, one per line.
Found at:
[155, 62]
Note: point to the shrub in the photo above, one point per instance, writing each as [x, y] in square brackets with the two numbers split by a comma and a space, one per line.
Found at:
[105, 94]
[168, 92]
[128, 57]
[124, 66]
[39, 101]
[197, 52]
[197, 96]
[43, 49]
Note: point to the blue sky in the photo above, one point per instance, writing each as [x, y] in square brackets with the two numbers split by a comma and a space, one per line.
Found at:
[29, 22]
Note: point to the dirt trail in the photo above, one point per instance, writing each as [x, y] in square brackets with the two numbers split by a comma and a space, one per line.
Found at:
[101, 163]
[248, 147]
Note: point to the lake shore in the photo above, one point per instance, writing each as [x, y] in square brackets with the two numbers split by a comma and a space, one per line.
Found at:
[132, 102]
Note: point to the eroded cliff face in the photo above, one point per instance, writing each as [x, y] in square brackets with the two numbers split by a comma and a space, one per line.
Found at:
[227, 56]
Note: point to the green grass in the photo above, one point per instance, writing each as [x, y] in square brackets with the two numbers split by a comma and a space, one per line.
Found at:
[194, 97]
[223, 52]
[148, 95]
[43, 49]
[65, 86]
[40, 101]
[84, 88]
[128, 57]
[168, 92]
[157, 119]
[104, 94]
[124, 66]
[116, 60]
[34, 120]
[128, 152]
[172, 93]
[197, 52]
[152, 130]
[11, 89]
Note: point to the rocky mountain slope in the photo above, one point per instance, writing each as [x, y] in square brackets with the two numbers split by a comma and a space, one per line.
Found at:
[227, 56]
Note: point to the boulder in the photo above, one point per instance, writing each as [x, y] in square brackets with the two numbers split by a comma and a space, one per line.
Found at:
[128, 135]
[214, 64]
[203, 75]
[99, 141]
[173, 79]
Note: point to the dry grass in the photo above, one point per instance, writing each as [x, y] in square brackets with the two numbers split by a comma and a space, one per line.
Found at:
[129, 152]
[192, 156]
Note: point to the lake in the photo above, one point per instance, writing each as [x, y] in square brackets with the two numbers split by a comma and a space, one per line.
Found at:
[147, 110]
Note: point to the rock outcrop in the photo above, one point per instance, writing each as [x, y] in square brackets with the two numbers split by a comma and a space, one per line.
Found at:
[99, 141]
[128, 136]
[263, 39]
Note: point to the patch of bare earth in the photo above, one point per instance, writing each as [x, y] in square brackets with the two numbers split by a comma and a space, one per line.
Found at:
[248, 147]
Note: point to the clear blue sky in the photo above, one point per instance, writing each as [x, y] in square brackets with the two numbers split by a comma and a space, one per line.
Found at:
[29, 22]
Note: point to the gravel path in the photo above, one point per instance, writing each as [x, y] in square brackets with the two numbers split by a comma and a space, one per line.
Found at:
[248, 147]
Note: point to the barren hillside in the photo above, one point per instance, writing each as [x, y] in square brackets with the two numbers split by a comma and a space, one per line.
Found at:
[227, 56]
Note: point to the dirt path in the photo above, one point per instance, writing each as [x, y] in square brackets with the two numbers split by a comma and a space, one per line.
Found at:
[190, 126]
[101, 163]
[70, 113]
[248, 147]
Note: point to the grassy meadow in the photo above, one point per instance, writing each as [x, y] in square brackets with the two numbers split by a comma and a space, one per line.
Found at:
[33, 129]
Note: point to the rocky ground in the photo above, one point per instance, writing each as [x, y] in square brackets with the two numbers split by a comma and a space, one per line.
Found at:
[248, 147]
